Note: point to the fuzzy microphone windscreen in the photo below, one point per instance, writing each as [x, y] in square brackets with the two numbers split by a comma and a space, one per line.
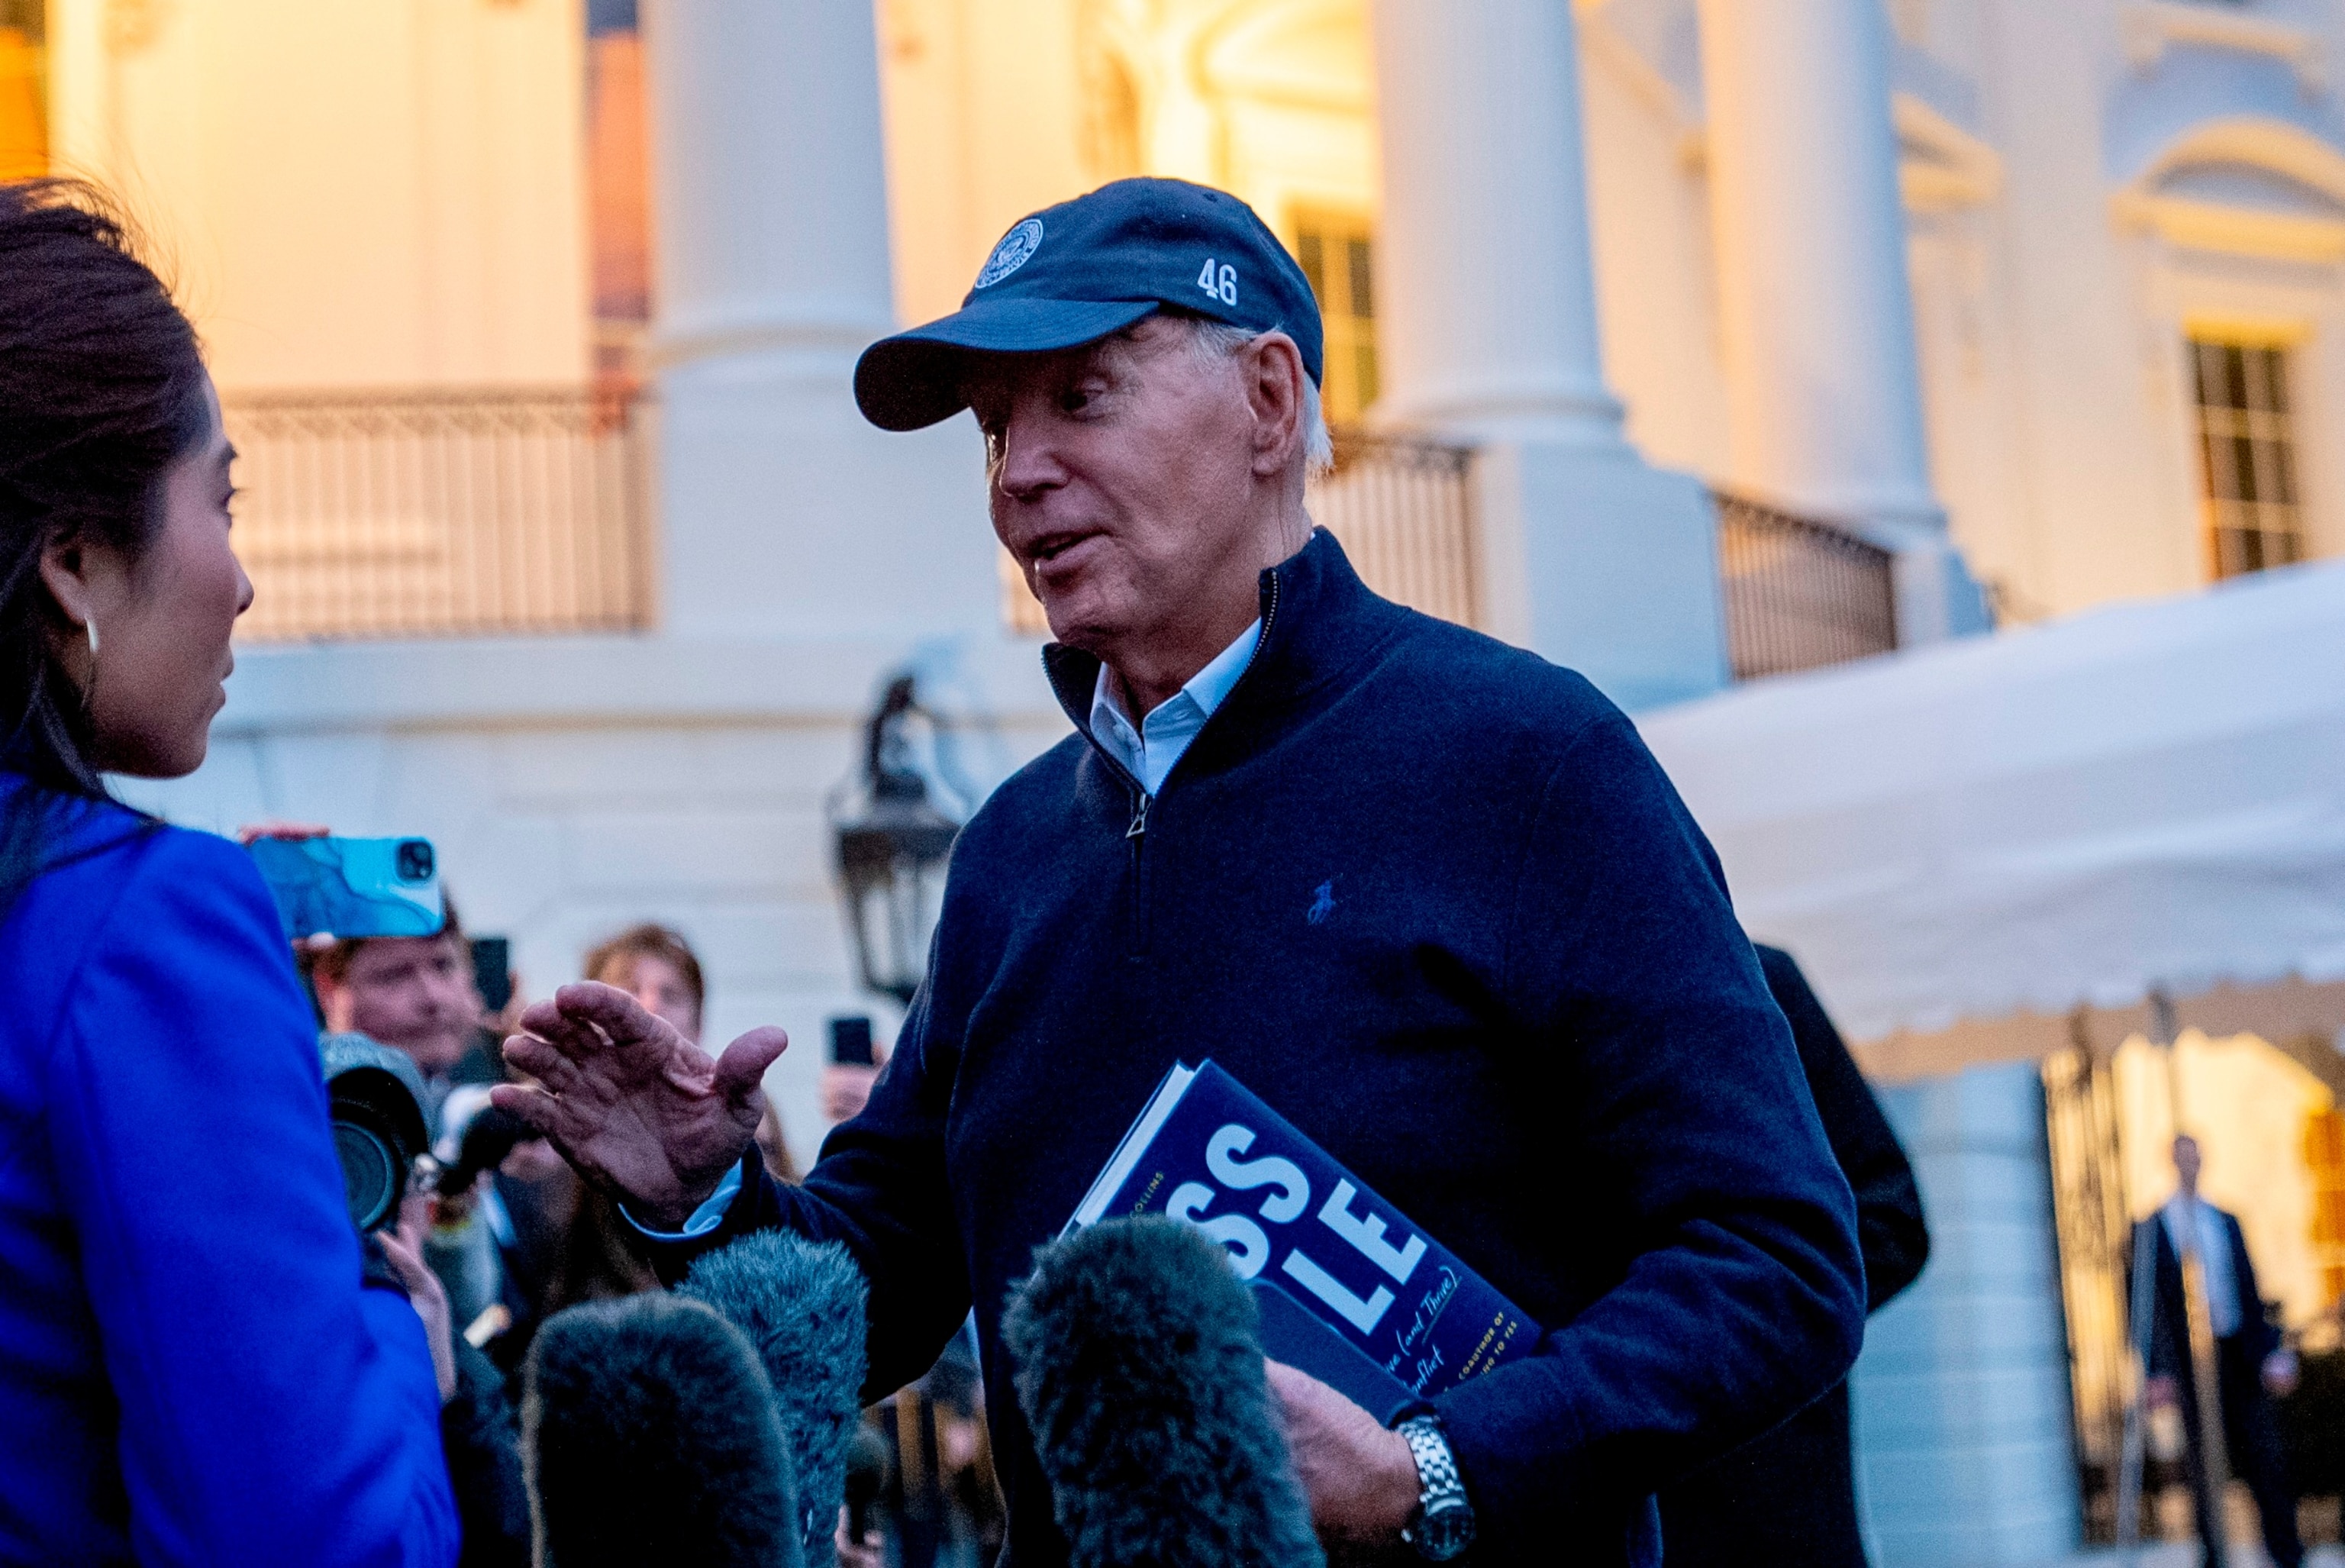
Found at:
[801, 1304]
[1139, 1371]
[649, 1435]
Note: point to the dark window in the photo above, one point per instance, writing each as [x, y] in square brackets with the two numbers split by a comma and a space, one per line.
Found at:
[2247, 453]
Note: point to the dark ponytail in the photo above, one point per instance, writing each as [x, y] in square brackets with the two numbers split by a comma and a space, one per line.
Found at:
[101, 388]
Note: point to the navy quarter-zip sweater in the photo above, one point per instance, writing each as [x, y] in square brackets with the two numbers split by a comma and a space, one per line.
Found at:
[1430, 897]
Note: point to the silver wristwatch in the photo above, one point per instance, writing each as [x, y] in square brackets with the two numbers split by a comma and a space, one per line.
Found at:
[1443, 1524]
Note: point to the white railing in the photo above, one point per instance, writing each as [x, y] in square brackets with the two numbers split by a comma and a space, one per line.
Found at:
[442, 513]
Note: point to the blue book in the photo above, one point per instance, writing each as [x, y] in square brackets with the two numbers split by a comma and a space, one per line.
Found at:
[1387, 1315]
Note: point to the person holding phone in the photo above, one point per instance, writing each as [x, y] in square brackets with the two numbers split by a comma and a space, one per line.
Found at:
[194, 1367]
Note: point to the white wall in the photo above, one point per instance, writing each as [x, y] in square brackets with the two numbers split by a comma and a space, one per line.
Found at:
[347, 195]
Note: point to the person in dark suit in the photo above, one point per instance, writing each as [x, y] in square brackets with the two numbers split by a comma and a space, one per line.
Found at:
[2252, 1364]
[1791, 1495]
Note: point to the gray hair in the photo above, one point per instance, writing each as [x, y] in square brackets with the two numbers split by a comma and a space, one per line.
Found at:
[1219, 340]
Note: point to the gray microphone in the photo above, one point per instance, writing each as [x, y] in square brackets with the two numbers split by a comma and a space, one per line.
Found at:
[1140, 1372]
[801, 1304]
[649, 1434]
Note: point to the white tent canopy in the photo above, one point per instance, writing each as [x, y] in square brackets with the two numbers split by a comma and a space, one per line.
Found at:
[1972, 847]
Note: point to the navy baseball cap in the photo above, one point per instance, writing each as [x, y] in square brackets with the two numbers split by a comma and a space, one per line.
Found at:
[1074, 273]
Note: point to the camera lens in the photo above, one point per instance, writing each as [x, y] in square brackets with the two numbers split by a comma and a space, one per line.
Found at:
[373, 1181]
[375, 1097]
[415, 859]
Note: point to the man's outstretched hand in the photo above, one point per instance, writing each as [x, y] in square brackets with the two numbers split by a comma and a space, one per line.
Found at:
[639, 1110]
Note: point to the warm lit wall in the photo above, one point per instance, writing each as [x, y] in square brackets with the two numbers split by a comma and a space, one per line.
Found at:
[350, 195]
[982, 126]
[996, 107]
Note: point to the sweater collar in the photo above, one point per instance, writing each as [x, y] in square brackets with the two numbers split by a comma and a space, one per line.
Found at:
[1317, 620]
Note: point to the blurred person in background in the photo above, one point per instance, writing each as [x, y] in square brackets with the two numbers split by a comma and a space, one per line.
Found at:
[200, 1359]
[415, 993]
[2252, 1366]
[658, 968]
[1791, 1495]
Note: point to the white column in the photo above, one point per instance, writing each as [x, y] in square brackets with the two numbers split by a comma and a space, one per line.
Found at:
[1490, 324]
[783, 512]
[1488, 334]
[1816, 314]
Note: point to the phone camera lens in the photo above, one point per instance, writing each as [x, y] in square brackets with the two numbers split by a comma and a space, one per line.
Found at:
[415, 861]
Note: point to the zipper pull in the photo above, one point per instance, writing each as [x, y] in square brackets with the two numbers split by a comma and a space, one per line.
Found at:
[1139, 815]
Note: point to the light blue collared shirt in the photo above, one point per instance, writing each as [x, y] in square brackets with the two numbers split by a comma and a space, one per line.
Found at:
[1148, 751]
[2224, 1307]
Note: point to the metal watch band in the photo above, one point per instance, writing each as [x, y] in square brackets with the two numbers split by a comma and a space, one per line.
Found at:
[1444, 1522]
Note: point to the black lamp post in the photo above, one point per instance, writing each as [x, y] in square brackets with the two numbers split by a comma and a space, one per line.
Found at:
[891, 858]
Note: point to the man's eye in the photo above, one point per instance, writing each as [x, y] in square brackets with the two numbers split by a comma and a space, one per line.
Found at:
[1076, 400]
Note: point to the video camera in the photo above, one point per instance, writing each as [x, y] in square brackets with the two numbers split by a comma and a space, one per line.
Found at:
[375, 1096]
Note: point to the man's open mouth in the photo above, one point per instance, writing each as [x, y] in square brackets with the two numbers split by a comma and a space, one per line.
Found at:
[1050, 546]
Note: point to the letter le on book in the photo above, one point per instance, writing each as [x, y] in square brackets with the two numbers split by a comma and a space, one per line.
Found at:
[1349, 1288]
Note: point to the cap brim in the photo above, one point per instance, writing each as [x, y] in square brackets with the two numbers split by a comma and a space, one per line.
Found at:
[914, 378]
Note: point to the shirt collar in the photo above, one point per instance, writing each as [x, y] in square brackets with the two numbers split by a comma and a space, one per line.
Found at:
[1207, 689]
[1172, 723]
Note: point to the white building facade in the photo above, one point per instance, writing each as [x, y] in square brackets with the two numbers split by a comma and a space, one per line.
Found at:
[2049, 298]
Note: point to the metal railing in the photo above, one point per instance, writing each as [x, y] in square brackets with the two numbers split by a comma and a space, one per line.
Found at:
[1403, 508]
[443, 514]
[1799, 593]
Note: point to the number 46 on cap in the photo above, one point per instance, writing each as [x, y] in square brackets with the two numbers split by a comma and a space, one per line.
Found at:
[1220, 283]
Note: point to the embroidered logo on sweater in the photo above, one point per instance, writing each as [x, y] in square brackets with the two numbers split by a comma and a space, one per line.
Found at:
[1323, 905]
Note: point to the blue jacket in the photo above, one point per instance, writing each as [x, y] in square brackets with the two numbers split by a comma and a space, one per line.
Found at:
[1430, 897]
[190, 1371]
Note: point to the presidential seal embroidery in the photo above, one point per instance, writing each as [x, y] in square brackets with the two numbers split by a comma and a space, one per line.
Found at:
[1010, 255]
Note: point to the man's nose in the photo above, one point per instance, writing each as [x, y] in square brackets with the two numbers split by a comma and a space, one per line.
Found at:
[1030, 463]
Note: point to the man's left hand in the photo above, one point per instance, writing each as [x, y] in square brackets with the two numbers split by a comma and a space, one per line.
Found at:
[1360, 1476]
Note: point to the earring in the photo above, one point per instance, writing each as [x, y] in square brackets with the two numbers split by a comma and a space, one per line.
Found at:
[90, 626]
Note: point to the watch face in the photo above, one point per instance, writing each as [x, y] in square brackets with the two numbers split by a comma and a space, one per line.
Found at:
[1443, 1532]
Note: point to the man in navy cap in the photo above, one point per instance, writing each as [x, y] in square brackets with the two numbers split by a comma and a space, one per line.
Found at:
[1424, 893]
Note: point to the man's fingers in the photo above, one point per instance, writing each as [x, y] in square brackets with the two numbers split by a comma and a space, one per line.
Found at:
[619, 1016]
[573, 1037]
[540, 1110]
[743, 1067]
[407, 1264]
[527, 1053]
[273, 829]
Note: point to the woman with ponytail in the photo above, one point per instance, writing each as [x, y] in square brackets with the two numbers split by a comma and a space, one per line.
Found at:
[194, 1367]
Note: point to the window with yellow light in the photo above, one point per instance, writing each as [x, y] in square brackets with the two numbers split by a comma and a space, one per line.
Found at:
[23, 95]
[1337, 252]
[2246, 446]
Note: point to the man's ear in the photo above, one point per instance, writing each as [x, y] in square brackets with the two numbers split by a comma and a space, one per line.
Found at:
[1274, 380]
[333, 997]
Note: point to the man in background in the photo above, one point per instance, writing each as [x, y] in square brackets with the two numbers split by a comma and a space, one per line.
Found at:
[1426, 894]
[415, 993]
[2250, 1362]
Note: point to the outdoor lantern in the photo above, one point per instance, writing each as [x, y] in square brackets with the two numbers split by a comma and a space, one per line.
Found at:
[891, 858]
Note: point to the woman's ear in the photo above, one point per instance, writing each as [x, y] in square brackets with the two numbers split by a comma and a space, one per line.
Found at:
[65, 571]
[90, 584]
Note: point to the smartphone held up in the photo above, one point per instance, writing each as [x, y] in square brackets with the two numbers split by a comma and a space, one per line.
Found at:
[344, 888]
